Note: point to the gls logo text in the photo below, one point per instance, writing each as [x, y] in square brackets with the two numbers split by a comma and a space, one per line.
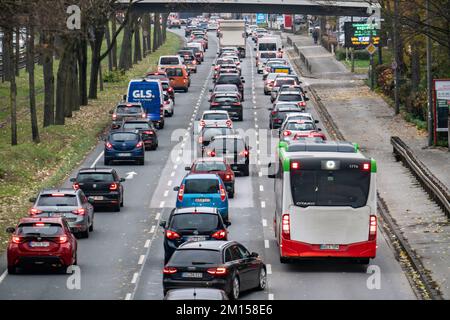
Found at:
[139, 94]
[74, 20]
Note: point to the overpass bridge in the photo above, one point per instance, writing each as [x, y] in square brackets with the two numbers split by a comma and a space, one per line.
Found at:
[313, 7]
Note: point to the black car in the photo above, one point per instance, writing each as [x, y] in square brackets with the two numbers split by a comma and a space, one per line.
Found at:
[278, 113]
[229, 102]
[146, 129]
[234, 150]
[192, 224]
[208, 133]
[196, 294]
[231, 78]
[225, 265]
[102, 185]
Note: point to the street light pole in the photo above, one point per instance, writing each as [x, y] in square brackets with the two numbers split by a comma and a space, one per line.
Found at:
[429, 84]
[396, 58]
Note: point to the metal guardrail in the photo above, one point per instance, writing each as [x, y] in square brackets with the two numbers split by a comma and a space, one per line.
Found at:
[300, 54]
[435, 188]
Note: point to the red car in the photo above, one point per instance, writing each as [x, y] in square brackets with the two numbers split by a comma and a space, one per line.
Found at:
[313, 135]
[39, 241]
[218, 166]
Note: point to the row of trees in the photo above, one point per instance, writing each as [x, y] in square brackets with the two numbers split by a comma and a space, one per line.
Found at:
[48, 36]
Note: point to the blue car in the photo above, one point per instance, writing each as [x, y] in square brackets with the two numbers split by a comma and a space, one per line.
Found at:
[203, 190]
[124, 146]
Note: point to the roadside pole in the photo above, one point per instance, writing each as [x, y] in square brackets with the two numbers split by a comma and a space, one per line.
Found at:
[430, 86]
[396, 59]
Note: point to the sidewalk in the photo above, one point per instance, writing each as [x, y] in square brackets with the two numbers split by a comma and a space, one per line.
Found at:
[364, 117]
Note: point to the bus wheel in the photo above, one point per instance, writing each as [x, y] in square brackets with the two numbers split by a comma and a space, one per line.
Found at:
[363, 261]
[284, 260]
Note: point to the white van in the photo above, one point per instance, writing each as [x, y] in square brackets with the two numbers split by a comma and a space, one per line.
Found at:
[166, 61]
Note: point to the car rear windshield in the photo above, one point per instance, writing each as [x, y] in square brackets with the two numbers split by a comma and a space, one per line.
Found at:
[226, 88]
[136, 125]
[267, 47]
[300, 126]
[290, 97]
[128, 110]
[226, 99]
[95, 177]
[41, 229]
[268, 55]
[230, 145]
[68, 200]
[285, 107]
[169, 61]
[225, 61]
[195, 257]
[174, 72]
[280, 82]
[124, 137]
[215, 116]
[198, 221]
[228, 79]
[210, 166]
[211, 132]
[330, 188]
[201, 186]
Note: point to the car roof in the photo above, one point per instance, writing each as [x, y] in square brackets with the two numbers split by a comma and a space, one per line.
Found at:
[129, 104]
[297, 121]
[225, 94]
[193, 176]
[215, 111]
[58, 220]
[229, 136]
[196, 210]
[209, 159]
[210, 244]
[60, 190]
[96, 169]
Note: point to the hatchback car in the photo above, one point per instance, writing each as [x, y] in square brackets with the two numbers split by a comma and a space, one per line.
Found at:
[294, 96]
[126, 111]
[192, 224]
[168, 105]
[218, 166]
[68, 203]
[179, 78]
[279, 111]
[224, 88]
[229, 102]
[268, 82]
[225, 265]
[281, 81]
[147, 131]
[292, 127]
[124, 146]
[39, 241]
[216, 118]
[208, 133]
[102, 185]
[203, 190]
[198, 51]
[235, 151]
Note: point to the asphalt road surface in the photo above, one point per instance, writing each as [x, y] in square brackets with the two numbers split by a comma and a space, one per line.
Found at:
[123, 257]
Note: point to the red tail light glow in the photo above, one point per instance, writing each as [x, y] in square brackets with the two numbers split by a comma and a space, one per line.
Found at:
[223, 193]
[144, 115]
[301, 104]
[219, 235]
[229, 123]
[172, 235]
[228, 177]
[34, 211]
[217, 271]
[215, 104]
[274, 112]
[211, 153]
[295, 165]
[149, 132]
[286, 226]
[76, 186]
[244, 153]
[61, 239]
[114, 116]
[373, 228]
[113, 186]
[108, 145]
[169, 270]
[16, 239]
[202, 123]
[140, 144]
[79, 211]
[181, 193]
[287, 133]
[366, 166]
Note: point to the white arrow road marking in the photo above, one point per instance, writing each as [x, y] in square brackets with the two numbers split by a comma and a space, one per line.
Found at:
[130, 175]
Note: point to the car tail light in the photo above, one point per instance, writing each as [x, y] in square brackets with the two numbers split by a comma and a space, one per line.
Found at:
[244, 153]
[223, 193]
[287, 133]
[274, 112]
[229, 123]
[301, 104]
[79, 211]
[373, 228]
[172, 235]
[236, 103]
[113, 186]
[366, 166]
[181, 193]
[215, 104]
[219, 235]
[202, 123]
[76, 186]
[61, 239]
[228, 177]
[211, 153]
[170, 89]
[34, 211]
[108, 145]
[144, 115]
[150, 132]
[114, 116]
[216, 67]
[286, 226]
[295, 165]
[200, 140]
[169, 270]
[16, 239]
[217, 271]
[167, 102]
[140, 144]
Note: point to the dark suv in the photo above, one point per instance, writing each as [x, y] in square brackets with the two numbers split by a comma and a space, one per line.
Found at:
[102, 185]
[232, 78]
[229, 102]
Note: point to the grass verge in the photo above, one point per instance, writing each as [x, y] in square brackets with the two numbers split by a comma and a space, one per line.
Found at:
[27, 168]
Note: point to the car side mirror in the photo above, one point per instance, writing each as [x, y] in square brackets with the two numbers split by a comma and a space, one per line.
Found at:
[10, 230]
[32, 200]
[162, 224]
[270, 109]
[316, 121]
[254, 255]
[227, 224]
[122, 179]
[254, 49]
[318, 129]
[242, 78]
[176, 188]
[91, 200]
[243, 81]
[306, 99]
[213, 64]
[124, 97]
[270, 175]
[187, 168]
[111, 111]
[210, 90]
[72, 180]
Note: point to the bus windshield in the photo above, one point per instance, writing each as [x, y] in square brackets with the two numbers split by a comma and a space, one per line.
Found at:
[330, 188]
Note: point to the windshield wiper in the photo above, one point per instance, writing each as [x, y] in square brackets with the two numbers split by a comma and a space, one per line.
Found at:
[33, 234]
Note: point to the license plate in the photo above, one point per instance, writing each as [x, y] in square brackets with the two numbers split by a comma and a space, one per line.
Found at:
[98, 198]
[226, 107]
[196, 238]
[203, 200]
[192, 275]
[55, 214]
[329, 247]
[124, 154]
[234, 167]
[39, 244]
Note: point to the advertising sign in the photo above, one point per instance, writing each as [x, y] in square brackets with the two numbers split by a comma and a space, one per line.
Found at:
[441, 104]
[261, 18]
[359, 35]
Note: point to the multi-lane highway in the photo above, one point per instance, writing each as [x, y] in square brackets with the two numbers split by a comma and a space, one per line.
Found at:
[123, 257]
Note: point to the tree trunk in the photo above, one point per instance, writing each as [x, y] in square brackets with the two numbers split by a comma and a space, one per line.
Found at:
[114, 49]
[125, 61]
[17, 58]
[82, 66]
[96, 47]
[148, 27]
[108, 43]
[6, 59]
[415, 67]
[164, 27]
[137, 41]
[49, 80]
[32, 93]
[8, 41]
[63, 85]
[156, 32]
[100, 76]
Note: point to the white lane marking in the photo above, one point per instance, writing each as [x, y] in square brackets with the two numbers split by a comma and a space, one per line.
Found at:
[166, 193]
[271, 296]
[266, 244]
[178, 159]
[158, 214]
[161, 205]
[260, 173]
[169, 183]
[172, 174]
[128, 296]
[147, 243]
[261, 188]
[175, 167]
[263, 204]
[264, 222]
[269, 268]
[98, 159]
[3, 276]
[141, 259]
[135, 277]
[152, 230]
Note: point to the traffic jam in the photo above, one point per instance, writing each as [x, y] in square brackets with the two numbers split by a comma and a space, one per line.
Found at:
[324, 191]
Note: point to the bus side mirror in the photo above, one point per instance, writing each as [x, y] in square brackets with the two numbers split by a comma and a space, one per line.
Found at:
[124, 97]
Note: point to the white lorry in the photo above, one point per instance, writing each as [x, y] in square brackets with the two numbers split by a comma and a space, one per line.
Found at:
[232, 34]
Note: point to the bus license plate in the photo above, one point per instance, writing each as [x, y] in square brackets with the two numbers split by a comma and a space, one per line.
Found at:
[192, 275]
[39, 244]
[329, 247]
